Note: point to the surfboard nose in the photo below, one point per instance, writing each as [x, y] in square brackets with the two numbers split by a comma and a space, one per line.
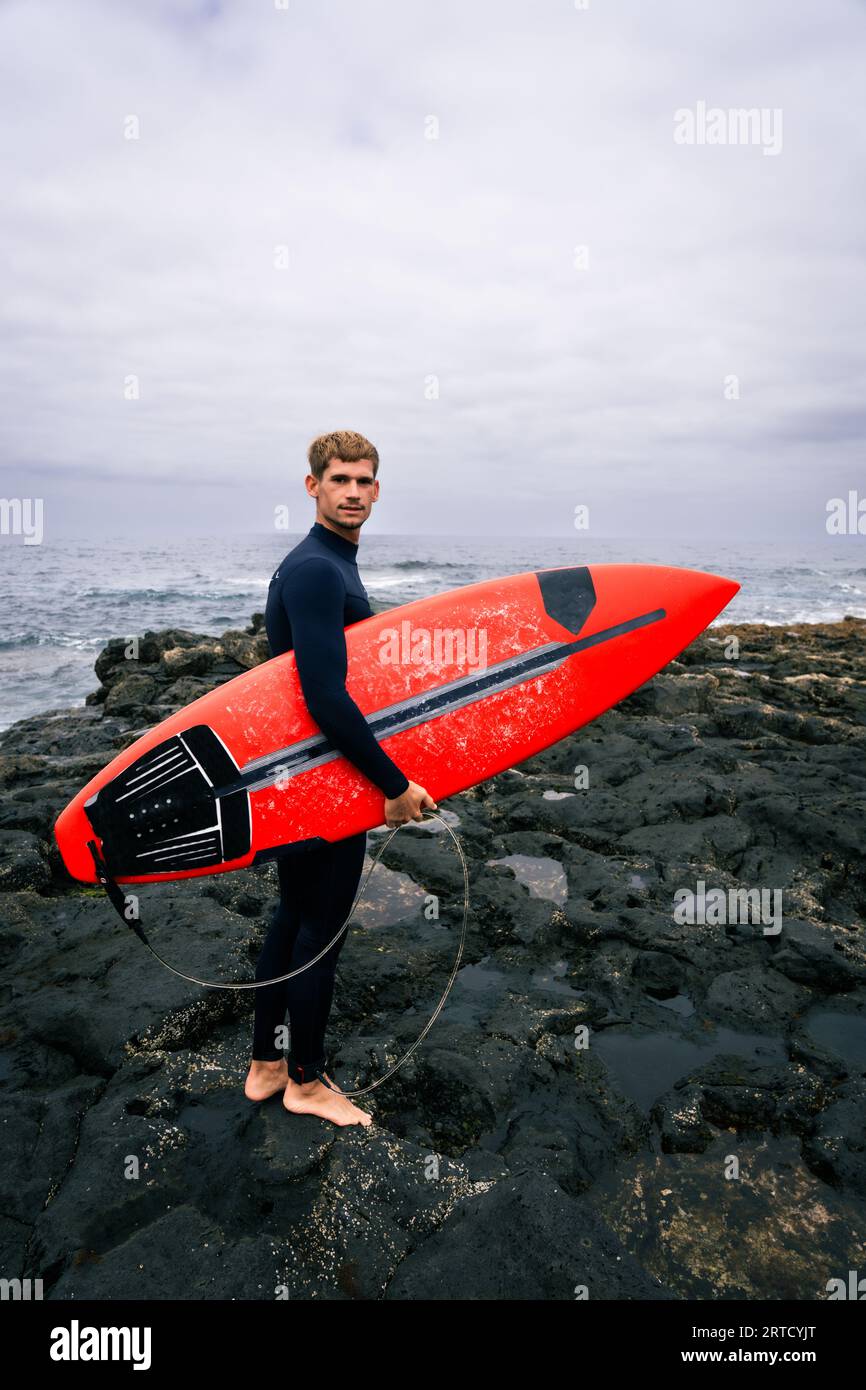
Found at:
[586, 598]
[689, 599]
[711, 592]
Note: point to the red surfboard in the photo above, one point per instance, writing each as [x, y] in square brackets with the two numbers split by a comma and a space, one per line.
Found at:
[456, 688]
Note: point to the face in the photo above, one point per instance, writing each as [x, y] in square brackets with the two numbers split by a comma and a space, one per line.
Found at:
[345, 495]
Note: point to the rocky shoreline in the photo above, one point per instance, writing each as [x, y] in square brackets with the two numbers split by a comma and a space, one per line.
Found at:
[614, 1100]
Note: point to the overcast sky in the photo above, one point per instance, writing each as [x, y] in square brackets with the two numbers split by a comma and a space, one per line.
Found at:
[413, 263]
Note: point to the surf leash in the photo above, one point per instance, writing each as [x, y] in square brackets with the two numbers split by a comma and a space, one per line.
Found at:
[118, 900]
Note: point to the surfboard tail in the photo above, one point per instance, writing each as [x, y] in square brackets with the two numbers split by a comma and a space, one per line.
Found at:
[160, 814]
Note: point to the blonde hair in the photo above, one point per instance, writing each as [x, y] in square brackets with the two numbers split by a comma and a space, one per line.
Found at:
[347, 445]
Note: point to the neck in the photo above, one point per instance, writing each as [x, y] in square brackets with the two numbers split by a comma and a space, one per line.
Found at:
[341, 531]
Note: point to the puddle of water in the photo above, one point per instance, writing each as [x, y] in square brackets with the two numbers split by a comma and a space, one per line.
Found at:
[843, 1033]
[551, 980]
[545, 878]
[779, 1234]
[547, 982]
[680, 1003]
[644, 1065]
[638, 881]
[389, 897]
[476, 992]
[556, 796]
[477, 977]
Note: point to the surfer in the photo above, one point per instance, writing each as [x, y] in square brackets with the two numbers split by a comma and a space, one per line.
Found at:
[314, 594]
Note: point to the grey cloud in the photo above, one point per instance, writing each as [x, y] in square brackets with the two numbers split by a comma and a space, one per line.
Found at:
[410, 259]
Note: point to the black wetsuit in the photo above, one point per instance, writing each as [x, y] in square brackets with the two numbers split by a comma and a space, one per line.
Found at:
[313, 595]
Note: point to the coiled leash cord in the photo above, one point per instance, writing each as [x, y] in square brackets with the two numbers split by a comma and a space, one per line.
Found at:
[118, 899]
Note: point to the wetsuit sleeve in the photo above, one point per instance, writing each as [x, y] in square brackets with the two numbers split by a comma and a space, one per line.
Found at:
[313, 595]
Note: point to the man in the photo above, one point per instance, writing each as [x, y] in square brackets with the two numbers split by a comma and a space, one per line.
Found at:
[313, 595]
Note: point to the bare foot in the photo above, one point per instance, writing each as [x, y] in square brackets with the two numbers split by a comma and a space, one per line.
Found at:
[265, 1079]
[315, 1099]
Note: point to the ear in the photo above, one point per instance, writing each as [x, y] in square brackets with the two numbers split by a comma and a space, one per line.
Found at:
[312, 485]
[375, 489]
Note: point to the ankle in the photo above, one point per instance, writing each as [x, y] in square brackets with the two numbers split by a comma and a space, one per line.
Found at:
[306, 1086]
[269, 1065]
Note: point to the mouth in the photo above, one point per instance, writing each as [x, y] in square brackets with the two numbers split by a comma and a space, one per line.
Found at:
[351, 509]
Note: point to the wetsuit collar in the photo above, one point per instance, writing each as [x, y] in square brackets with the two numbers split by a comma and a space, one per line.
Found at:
[347, 549]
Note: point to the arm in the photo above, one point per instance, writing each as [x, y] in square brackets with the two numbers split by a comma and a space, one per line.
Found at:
[313, 597]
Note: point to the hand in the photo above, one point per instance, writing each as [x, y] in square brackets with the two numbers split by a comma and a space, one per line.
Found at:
[399, 810]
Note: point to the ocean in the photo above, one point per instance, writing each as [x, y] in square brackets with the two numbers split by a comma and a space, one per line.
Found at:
[63, 601]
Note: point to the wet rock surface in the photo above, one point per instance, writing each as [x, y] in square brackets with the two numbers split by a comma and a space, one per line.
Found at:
[631, 1093]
